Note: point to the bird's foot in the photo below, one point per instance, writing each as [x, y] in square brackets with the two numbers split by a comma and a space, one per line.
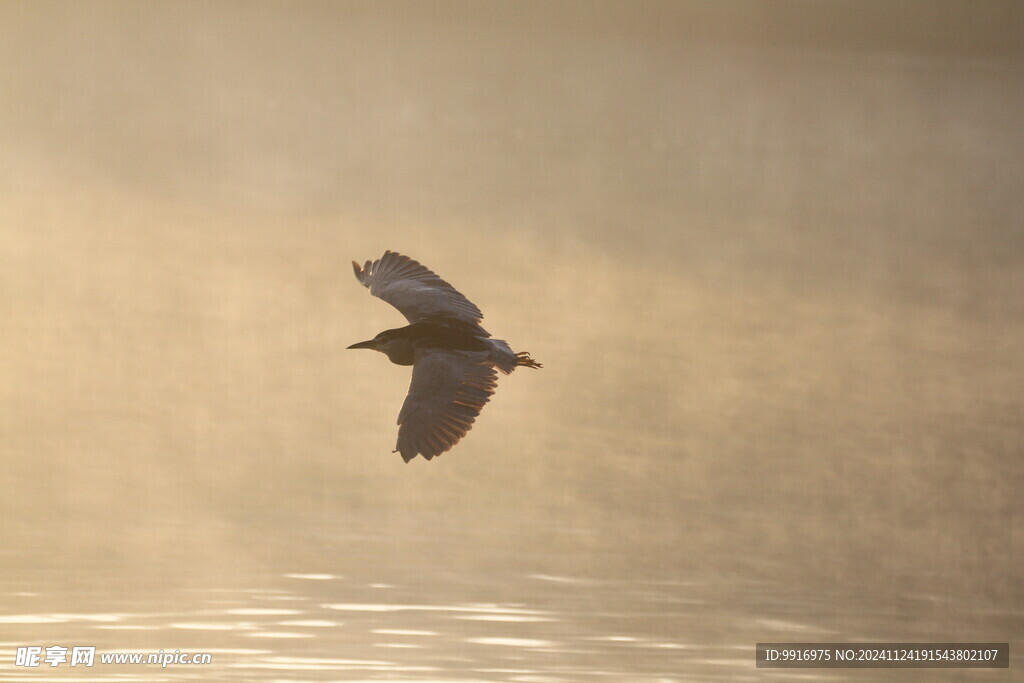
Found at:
[523, 360]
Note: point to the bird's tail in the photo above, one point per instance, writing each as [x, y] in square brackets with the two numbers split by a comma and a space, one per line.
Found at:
[523, 359]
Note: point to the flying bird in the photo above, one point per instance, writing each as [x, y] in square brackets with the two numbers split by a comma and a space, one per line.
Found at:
[453, 358]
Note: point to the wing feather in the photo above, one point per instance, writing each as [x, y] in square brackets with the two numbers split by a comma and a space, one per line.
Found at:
[415, 290]
[447, 392]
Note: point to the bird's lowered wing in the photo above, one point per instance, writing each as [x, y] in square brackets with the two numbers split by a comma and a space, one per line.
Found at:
[415, 290]
[448, 391]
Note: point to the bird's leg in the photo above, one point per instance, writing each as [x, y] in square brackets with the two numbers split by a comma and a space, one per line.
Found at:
[523, 359]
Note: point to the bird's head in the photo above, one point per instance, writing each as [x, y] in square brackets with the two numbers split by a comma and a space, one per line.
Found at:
[377, 343]
[391, 343]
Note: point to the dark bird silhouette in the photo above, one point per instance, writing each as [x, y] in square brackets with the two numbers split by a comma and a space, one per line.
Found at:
[453, 357]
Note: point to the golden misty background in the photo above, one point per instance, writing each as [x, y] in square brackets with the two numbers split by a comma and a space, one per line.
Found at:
[771, 255]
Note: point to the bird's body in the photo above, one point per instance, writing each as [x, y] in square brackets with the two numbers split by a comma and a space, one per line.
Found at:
[453, 357]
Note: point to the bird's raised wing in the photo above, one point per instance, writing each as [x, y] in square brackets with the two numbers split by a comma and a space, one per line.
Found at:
[415, 290]
[448, 391]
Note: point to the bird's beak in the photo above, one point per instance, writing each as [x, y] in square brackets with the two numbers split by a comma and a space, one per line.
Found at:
[363, 345]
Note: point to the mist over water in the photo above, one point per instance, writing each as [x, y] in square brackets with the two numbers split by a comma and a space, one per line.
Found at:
[772, 263]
